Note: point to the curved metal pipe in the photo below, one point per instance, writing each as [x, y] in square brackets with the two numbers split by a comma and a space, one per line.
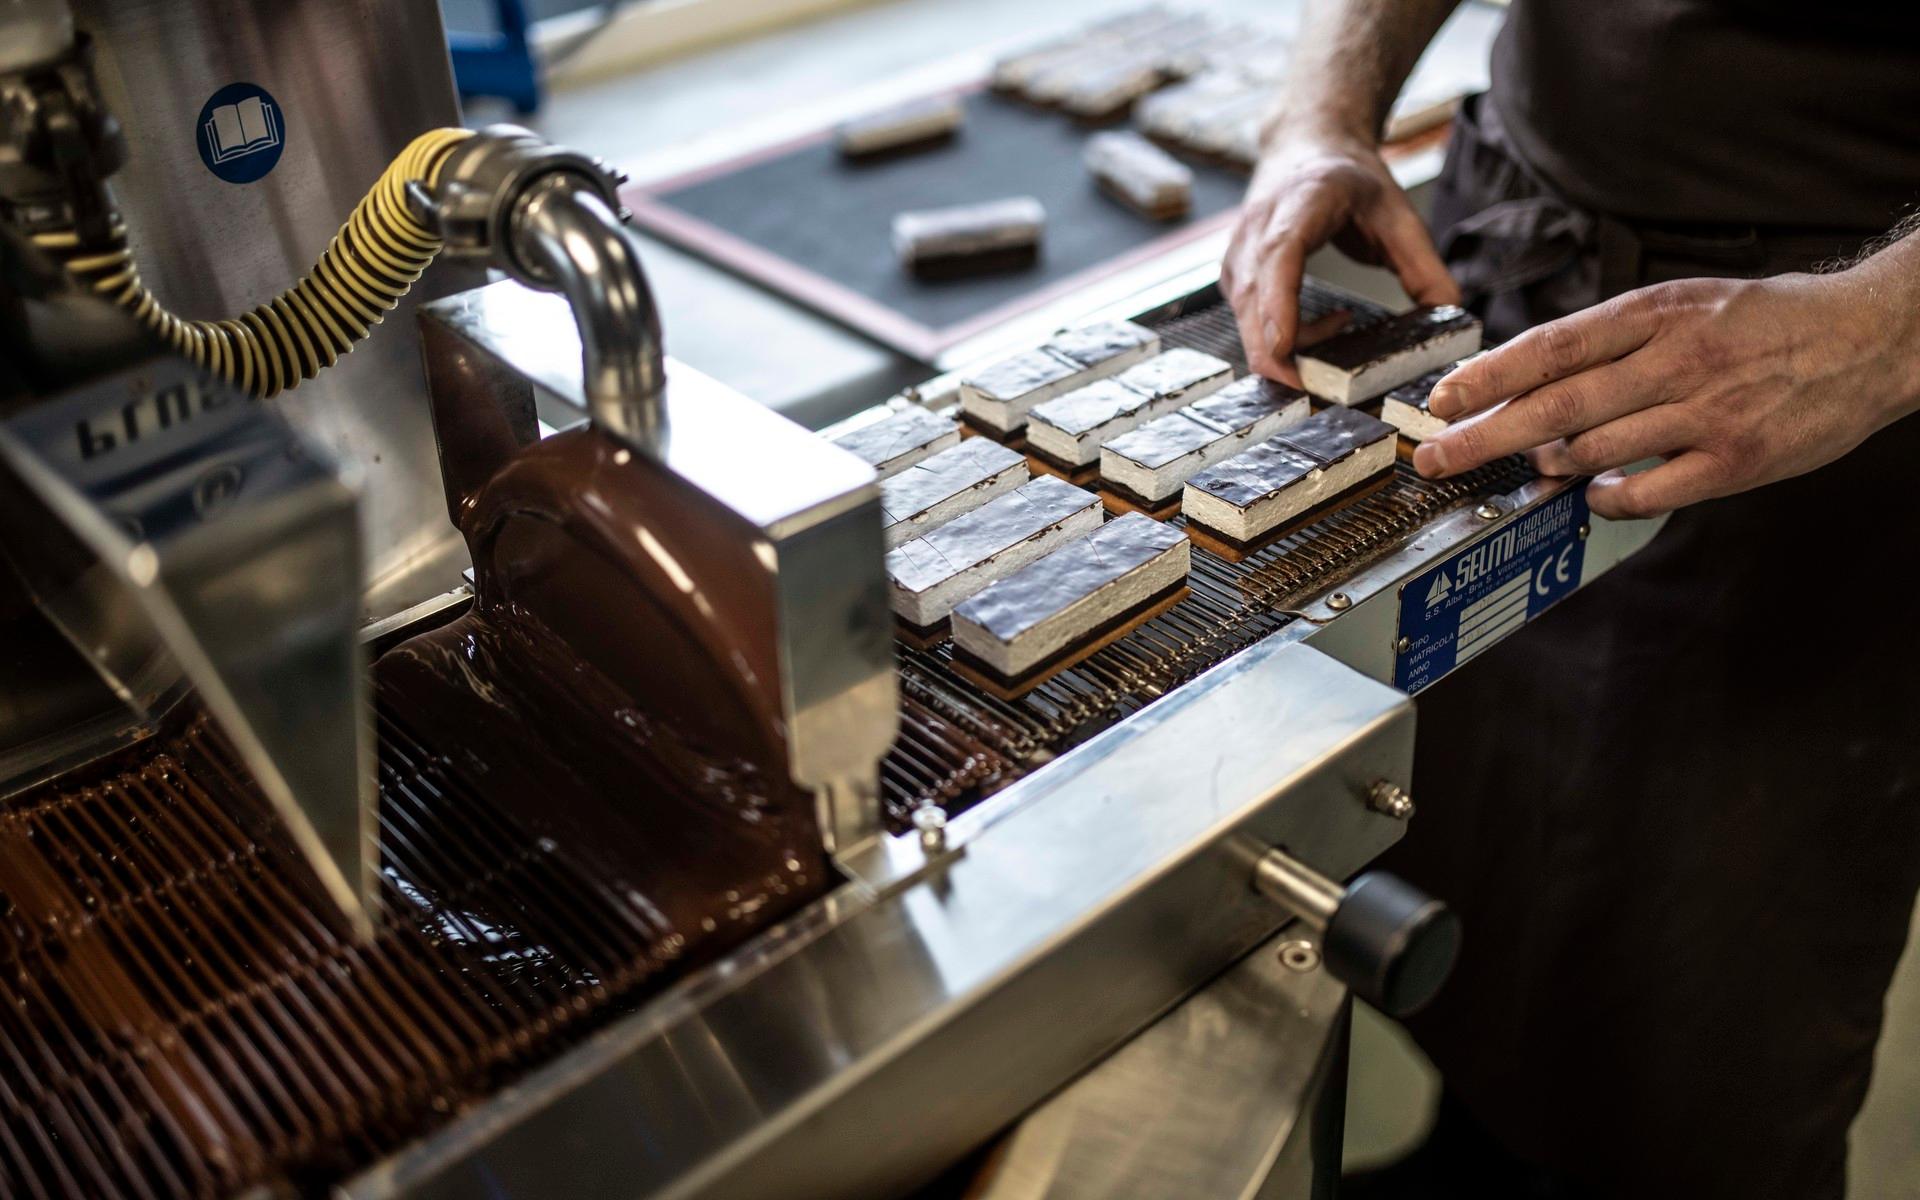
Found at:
[568, 236]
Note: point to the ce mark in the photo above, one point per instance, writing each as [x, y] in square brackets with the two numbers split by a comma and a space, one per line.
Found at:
[1561, 567]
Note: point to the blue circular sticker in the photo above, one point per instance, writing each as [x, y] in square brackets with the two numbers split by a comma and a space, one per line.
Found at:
[241, 133]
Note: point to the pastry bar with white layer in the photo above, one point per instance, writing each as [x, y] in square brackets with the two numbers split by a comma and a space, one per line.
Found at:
[1001, 395]
[1181, 374]
[1105, 347]
[1111, 87]
[937, 489]
[1140, 174]
[986, 228]
[930, 574]
[1071, 428]
[1049, 605]
[895, 442]
[1405, 407]
[1150, 463]
[919, 123]
[1290, 474]
[1356, 366]
[1036, 72]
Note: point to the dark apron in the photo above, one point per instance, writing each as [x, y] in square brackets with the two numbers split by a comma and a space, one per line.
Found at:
[1681, 815]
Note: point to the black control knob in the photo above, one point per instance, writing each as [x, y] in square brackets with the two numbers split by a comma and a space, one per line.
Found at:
[1388, 941]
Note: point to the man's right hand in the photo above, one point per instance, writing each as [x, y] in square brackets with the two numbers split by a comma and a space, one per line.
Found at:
[1315, 187]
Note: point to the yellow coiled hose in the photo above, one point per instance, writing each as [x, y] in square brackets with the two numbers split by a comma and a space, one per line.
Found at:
[366, 269]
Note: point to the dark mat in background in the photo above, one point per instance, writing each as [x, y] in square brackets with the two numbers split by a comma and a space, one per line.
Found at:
[803, 221]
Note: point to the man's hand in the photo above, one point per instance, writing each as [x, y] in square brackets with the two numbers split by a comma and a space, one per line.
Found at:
[1733, 383]
[1313, 188]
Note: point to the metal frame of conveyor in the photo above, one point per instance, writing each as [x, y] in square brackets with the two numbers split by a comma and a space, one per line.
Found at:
[966, 973]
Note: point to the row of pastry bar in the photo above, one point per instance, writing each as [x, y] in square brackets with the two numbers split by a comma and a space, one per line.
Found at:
[1025, 567]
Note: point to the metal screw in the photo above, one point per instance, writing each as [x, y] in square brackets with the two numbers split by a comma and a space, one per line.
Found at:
[1299, 955]
[1585, 530]
[1401, 646]
[1390, 799]
[1489, 511]
[931, 821]
[1339, 602]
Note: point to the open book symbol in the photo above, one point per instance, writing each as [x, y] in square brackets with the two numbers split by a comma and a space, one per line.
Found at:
[237, 130]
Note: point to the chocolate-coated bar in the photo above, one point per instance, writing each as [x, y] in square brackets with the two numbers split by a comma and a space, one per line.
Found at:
[1356, 366]
[1405, 407]
[1152, 462]
[1045, 607]
[920, 123]
[896, 442]
[1140, 174]
[996, 229]
[1292, 473]
[932, 573]
[937, 489]
[1105, 347]
[1001, 396]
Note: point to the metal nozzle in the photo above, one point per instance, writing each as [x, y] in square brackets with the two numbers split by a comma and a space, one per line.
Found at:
[566, 232]
[550, 217]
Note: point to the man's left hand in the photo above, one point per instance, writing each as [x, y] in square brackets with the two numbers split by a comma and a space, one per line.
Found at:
[1733, 383]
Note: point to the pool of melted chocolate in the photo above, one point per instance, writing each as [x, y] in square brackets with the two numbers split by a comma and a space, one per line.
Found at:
[615, 687]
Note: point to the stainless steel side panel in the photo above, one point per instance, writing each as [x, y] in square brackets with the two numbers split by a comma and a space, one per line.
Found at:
[1238, 1093]
[901, 1027]
[355, 81]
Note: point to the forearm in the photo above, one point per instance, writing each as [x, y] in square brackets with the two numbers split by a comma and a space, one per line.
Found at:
[1352, 59]
[1886, 284]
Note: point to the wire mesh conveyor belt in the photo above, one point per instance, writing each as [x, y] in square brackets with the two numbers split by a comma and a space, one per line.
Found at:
[958, 745]
[178, 1017]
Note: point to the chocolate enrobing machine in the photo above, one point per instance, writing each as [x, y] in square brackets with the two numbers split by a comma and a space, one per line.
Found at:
[260, 930]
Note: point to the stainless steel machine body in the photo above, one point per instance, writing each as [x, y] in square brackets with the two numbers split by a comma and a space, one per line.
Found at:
[961, 977]
[960, 974]
[354, 81]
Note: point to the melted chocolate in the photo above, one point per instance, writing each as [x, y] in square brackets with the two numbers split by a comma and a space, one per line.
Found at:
[616, 687]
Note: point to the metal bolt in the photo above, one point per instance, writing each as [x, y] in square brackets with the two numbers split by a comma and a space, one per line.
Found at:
[1401, 646]
[1489, 511]
[1390, 799]
[1299, 955]
[1339, 602]
[1585, 530]
[931, 821]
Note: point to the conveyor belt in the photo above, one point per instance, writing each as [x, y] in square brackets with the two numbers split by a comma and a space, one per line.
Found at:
[177, 1017]
[959, 745]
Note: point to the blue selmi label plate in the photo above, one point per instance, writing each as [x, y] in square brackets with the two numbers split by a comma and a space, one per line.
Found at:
[1488, 589]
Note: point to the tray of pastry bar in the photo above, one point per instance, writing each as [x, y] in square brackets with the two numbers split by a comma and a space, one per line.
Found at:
[1063, 164]
[1046, 585]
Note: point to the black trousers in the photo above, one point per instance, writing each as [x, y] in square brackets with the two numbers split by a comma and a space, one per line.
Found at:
[1680, 816]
